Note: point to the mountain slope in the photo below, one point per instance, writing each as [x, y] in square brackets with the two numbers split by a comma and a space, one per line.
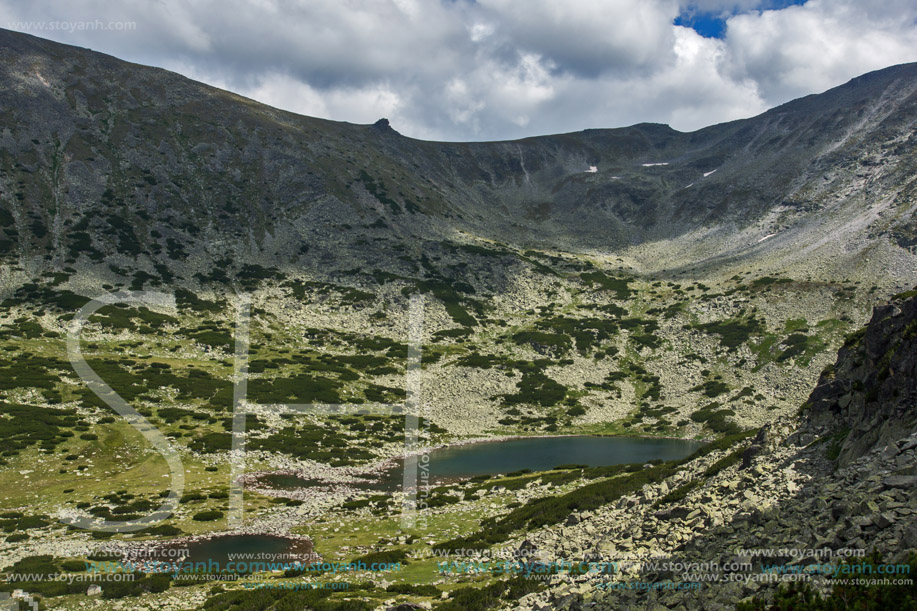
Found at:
[831, 486]
[99, 147]
[694, 285]
[868, 396]
[687, 267]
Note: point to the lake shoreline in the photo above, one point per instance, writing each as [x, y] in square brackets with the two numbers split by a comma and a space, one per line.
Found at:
[359, 475]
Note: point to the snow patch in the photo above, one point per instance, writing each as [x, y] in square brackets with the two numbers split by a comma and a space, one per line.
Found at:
[649, 165]
[592, 170]
[42, 79]
[770, 235]
[706, 174]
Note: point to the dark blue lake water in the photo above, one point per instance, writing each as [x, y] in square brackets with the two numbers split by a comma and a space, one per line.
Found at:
[541, 453]
[534, 453]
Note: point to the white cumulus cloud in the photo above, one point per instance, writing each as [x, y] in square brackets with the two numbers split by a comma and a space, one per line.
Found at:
[496, 69]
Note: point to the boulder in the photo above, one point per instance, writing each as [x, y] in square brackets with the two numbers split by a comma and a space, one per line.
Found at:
[900, 481]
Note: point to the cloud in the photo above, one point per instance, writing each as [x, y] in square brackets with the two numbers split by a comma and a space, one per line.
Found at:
[731, 7]
[810, 48]
[588, 38]
[494, 69]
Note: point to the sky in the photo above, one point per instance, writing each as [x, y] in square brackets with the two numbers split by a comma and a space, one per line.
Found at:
[496, 69]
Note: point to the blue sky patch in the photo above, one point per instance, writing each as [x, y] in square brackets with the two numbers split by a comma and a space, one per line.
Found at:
[712, 24]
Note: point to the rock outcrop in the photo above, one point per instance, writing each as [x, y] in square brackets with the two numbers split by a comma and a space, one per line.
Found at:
[839, 479]
[872, 389]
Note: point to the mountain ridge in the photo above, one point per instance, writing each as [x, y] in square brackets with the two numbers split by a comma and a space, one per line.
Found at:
[652, 183]
[695, 285]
